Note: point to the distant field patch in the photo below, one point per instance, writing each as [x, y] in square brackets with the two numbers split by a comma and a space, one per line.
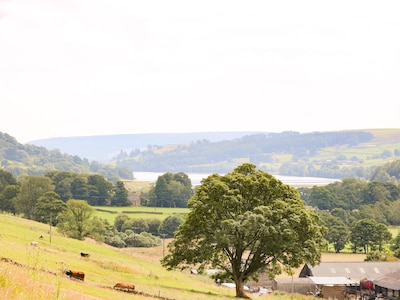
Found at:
[138, 212]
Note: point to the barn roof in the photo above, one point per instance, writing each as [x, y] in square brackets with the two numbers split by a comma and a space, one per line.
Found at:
[333, 281]
[353, 270]
[390, 281]
[283, 281]
[317, 280]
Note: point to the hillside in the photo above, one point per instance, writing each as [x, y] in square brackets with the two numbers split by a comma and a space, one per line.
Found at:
[37, 271]
[36, 160]
[28, 272]
[341, 154]
[103, 148]
[352, 153]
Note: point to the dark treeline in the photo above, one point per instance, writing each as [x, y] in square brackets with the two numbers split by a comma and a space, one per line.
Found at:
[357, 213]
[29, 159]
[379, 201]
[170, 190]
[30, 195]
[220, 157]
[66, 200]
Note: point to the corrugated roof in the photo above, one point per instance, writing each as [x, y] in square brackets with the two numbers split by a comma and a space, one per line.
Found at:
[353, 270]
[333, 281]
[390, 281]
[305, 280]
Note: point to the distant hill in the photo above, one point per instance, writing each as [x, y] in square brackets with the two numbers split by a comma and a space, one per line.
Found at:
[104, 148]
[340, 154]
[36, 160]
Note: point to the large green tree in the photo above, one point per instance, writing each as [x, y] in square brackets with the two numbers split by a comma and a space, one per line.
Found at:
[62, 181]
[244, 223]
[323, 198]
[120, 195]
[8, 197]
[99, 190]
[6, 178]
[169, 225]
[32, 188]
[48, 207]
[76, 220]
[369, 235]
[172, 190]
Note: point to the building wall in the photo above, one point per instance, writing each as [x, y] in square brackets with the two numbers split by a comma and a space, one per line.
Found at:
[333, 292]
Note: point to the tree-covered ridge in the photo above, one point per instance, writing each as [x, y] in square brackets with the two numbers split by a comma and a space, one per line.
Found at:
[33, 160]
[259, 149]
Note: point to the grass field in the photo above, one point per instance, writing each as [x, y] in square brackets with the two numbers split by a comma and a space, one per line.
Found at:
[136, 212]
[28, 272]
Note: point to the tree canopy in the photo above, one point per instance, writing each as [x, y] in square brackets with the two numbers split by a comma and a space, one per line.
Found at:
[244, 223]
[171, 190]
[77, 220]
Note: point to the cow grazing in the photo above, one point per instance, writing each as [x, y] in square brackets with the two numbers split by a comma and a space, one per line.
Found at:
[34, 244]
[75, 275]
[83, 254]
[124, 286]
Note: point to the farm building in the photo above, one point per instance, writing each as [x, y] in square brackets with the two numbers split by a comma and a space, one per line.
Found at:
[387, 286]
[355, 271]
[293, 285]
[383, 276]
[329, 287]
[337, 280]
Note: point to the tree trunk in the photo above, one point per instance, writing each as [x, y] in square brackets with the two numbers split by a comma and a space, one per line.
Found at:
[240, 289]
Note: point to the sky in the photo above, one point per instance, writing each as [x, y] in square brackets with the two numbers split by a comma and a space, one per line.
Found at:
[101, 67]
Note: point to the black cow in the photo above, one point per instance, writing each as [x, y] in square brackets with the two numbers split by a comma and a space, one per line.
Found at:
[75, 275]
[83, 254]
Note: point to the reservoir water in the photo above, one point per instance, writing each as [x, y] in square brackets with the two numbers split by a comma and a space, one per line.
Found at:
[195, 178]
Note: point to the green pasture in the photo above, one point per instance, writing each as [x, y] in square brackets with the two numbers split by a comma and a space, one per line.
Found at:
[138, 212]
[28, 272]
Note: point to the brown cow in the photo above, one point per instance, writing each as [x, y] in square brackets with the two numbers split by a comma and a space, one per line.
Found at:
[124, 286]
[75, 274]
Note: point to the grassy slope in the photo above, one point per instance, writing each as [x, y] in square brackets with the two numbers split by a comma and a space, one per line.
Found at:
[39, 275]
[103, 269]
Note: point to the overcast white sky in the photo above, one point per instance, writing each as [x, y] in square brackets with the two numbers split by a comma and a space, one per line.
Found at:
[94, 67]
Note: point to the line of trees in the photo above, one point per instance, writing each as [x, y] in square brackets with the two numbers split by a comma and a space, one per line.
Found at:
[66, 200]
[357, 213]
[362, 235]
[379, 201]
[32, 196]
